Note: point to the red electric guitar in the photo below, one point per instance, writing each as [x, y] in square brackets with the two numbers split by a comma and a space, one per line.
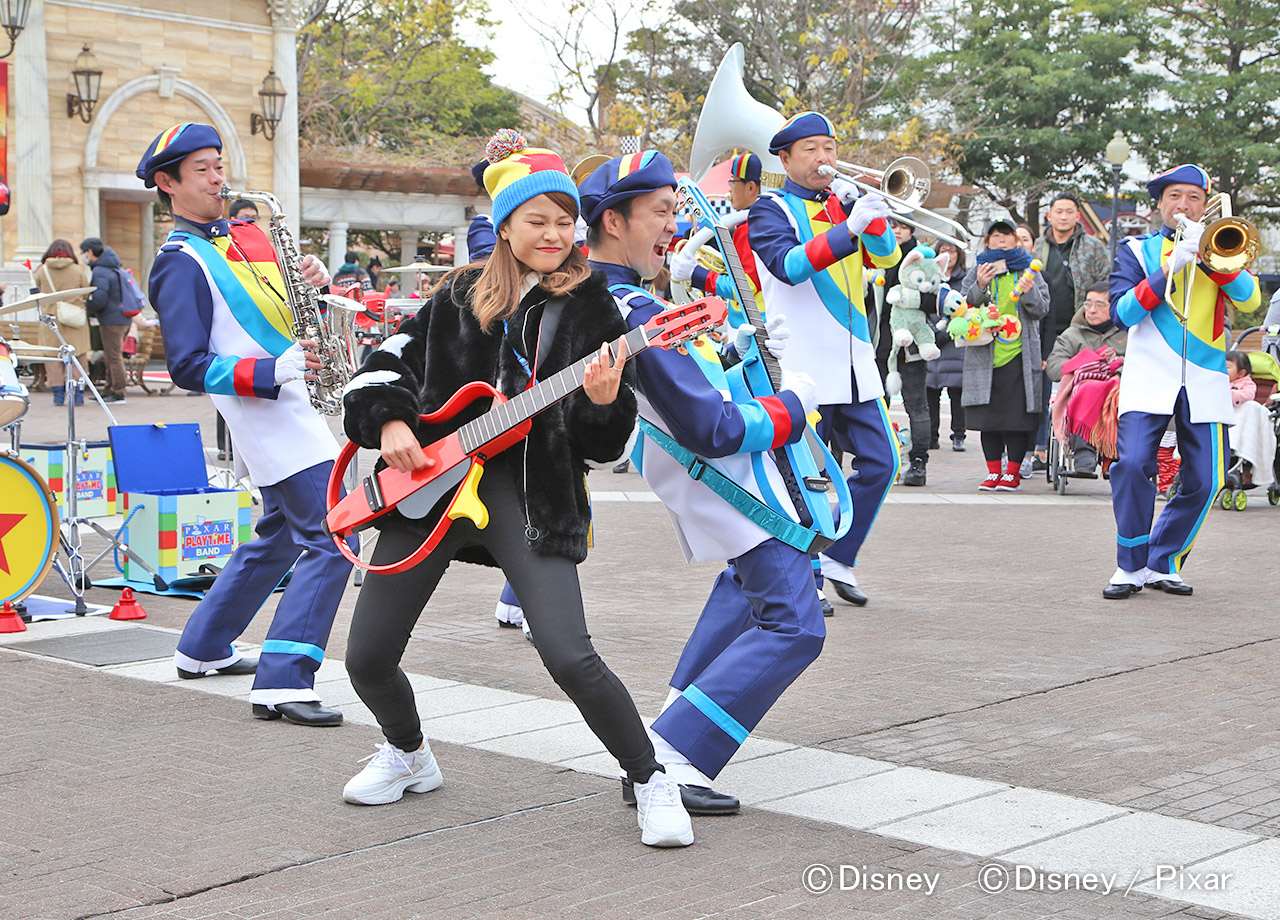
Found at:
[455, 463]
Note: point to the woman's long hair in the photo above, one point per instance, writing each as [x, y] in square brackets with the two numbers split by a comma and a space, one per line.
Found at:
[60, 248]
[496, 294]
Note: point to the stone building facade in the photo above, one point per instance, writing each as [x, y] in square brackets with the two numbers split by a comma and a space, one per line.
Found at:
[163, 62]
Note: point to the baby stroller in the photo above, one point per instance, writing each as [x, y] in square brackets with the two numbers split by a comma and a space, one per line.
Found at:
[1263, 415]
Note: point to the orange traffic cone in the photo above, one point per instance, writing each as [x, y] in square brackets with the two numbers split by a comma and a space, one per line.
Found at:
[10, 622]
[128, 608]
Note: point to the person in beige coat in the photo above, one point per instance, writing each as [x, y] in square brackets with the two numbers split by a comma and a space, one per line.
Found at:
[60, 270]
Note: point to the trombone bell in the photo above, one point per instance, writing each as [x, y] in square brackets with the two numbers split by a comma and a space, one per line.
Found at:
[906, 178]
[1229, 244]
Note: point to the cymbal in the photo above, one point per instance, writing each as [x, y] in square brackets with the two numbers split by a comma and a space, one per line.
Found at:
[586, 166]
[418, 267]
[36, 299]
[19, 345]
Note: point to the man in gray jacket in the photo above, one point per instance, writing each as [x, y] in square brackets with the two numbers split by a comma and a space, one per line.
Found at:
[1073, 261]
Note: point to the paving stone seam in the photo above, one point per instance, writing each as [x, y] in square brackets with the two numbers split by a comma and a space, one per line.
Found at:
[332, 857]
[880, 830]
[1044, 691]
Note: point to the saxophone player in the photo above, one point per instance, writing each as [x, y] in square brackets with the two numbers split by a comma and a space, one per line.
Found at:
[219, 291]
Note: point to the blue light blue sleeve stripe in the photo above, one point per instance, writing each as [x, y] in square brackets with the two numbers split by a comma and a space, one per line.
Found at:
[1242, 288]
[797, 264]
[220, 376]
[1133, 541]
[711, 709]
[282, 647]
[881, 245]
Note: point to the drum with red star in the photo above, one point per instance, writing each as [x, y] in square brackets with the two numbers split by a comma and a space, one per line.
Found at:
[28, 528]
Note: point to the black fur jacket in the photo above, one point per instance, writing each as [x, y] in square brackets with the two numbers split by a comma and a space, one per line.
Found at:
[442, 347]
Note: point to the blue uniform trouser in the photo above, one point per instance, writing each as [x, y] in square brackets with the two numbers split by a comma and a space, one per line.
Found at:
[293, 512]
[863, 432]
[760, 628]
[1204, 449]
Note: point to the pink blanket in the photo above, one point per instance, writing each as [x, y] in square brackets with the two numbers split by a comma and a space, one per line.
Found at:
[1078, 403]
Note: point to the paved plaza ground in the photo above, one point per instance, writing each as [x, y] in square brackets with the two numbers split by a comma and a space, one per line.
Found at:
[987, 738]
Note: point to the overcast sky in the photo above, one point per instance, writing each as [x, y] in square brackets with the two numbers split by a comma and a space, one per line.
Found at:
[523, 62]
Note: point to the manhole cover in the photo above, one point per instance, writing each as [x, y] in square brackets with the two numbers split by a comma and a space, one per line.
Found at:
[110, 646]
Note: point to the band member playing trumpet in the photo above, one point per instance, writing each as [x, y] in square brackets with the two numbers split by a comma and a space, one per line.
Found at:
[809, 252]
[1175, 368]
[708, 456]
[533, 309]
[218, 290]
[744, 189]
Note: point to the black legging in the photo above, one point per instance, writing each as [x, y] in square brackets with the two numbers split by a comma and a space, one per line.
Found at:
[1013, 444]
[389, 606]
[935, 412]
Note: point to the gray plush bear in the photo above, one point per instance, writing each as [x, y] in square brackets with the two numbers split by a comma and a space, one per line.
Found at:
[920, 272]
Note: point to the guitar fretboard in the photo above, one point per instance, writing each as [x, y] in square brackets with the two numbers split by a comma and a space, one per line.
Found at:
[502, 418]
[748, 300]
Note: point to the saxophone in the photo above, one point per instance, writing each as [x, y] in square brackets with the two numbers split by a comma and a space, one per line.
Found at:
[332, 330]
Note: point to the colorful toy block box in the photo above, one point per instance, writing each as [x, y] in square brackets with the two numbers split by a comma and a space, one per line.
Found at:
[95, 475]
[176, 521]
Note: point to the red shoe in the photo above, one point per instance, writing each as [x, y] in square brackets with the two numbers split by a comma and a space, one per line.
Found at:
[1010, 482]
[989, 484]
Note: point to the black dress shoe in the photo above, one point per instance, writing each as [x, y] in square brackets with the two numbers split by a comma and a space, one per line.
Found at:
[1120, 592]
[309, 712]
[1180, 588]
[243, 666]
[851, 593]
[697, 800]
[827, 609]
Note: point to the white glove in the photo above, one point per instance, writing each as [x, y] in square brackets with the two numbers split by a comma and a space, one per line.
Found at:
[776, 333]
[1184, 254]
[291, 365]
[845, 190]
[684, 262]
[579, 231]
[742, 338]
[802, 385]
[868, 208]
[313, 272]
[1191, 230]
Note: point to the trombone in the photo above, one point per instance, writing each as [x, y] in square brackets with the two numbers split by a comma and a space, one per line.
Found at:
[1228, 244]
[899, 176]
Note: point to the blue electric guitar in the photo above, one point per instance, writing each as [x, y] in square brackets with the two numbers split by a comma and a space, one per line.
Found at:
[810, 473]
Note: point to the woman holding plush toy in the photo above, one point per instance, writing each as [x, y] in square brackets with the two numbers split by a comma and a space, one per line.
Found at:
[1002, 378]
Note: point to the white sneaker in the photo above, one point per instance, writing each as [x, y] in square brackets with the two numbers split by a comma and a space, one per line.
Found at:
[508, 614]
[1024, 469]
[389, 773]
[660, 813]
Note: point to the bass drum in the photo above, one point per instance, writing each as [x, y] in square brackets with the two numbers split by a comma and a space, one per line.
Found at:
[28, 528]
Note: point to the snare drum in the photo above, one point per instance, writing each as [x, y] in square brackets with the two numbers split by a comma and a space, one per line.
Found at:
[13, 395]
[28, 528]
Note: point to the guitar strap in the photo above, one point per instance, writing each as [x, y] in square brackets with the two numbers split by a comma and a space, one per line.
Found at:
[750, 507]
[546, 327]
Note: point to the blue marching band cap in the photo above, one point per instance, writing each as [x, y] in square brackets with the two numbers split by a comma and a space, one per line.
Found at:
[173, 145]
[1187, 173]
[806, 124]
[745, 166]
[477, 173]
[622, 178]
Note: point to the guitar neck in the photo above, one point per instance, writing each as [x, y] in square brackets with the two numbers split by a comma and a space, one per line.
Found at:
[748, 300]
[524, 406]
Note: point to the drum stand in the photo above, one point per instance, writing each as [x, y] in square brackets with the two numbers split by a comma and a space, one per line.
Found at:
[75, 571]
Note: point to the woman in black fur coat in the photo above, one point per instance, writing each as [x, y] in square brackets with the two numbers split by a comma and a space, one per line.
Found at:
[487, 323]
